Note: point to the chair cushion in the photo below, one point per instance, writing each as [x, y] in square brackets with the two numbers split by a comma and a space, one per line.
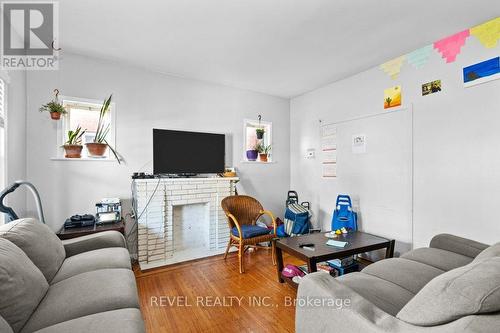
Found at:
[489, 252]
[123, 321]
[407, 274]
[113, 257]
[22, 285]
[441, 259]
[85, 294]
[39, 243]
[469, 290]
[386, 295]
[250, 231]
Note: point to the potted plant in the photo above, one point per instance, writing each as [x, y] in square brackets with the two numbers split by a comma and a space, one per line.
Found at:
[73, 145]
[55, 109]
[263, 151]
[252, 154]
[98, 147]
[260, 133]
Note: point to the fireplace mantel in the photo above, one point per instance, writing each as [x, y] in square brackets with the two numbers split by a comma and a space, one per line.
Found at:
[155, 221]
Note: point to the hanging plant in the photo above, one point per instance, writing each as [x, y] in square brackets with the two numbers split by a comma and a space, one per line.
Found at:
[55, 108]
[260, 133]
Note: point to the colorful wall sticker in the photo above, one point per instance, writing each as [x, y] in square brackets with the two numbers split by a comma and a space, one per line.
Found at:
[482, 72]
[450, 47]
[488, 33]
[419, 57]
[393, 67]
[431, 87]
[392, 97]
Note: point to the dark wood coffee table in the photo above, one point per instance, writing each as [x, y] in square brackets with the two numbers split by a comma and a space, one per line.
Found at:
[357, 242]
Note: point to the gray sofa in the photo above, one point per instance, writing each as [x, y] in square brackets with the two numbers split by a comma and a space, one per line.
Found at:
[81, 285]
[452, 286]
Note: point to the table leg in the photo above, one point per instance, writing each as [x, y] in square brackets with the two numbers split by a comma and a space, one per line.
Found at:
[311, 265]
[279, 262]
[389, 252]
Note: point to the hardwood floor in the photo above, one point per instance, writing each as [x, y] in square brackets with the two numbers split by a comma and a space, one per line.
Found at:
[210, 295]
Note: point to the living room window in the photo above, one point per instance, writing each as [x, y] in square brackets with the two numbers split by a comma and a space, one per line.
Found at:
[257, 141]
[3, 145]
[85, 113]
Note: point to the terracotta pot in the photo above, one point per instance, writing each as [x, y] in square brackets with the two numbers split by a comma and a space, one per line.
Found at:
[263, 157]
[96, 149]
[55, 115]
[73, 151]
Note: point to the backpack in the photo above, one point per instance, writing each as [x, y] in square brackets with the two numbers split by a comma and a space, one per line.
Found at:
[343, 215]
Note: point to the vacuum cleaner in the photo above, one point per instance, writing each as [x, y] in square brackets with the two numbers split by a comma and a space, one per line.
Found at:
[11, 214]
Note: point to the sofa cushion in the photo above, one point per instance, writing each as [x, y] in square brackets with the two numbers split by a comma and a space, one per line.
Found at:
[407, 274]
[441, 259]
[460, 245]
[39, 243]
[4, 326]
[469, 290]
[113, 257]
[22, 285]
[490, 252]
[122, 321]
[85, 294]
[386, 295]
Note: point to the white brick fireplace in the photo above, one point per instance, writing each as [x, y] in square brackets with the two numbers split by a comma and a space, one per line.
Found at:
[183, 220]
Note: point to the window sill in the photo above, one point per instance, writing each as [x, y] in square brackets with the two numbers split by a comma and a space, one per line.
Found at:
[258, 162]
[98, 159]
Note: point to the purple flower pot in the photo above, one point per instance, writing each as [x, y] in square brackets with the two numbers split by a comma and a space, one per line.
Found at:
[252, 155]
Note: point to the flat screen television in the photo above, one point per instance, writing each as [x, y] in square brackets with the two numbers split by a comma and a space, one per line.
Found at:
[179, 152]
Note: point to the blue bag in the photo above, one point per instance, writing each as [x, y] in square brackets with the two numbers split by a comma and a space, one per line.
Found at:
[296, 219]
[343, 215]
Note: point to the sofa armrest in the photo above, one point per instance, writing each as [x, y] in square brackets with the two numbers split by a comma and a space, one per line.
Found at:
[463, 246]
[91, 242]
[326, 305]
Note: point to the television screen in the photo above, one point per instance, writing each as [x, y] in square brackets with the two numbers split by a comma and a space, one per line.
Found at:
[179, 152]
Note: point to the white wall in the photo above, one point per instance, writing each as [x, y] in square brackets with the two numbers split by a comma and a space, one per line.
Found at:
[456, 151]
[145, 100]
[15, 83]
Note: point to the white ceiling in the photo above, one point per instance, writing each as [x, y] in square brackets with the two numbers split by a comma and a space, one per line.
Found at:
[279, 47]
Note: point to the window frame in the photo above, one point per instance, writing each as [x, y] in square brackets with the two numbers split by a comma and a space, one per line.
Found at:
[62, 129]
[269, 132]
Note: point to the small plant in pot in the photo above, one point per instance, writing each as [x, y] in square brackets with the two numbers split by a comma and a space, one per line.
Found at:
[73, 146]
[98, 147]
[260, 133]
[252, 154]
[55, 108]
[263, 152]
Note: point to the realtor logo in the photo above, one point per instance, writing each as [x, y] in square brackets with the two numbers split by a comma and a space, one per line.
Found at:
[29, 32]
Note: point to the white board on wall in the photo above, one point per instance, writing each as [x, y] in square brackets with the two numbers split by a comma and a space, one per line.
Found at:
[379, 180]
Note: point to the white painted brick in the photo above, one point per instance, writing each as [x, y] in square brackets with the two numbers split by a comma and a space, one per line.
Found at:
[179, 202]
[156, 258]
[179, 192]
[188, 187]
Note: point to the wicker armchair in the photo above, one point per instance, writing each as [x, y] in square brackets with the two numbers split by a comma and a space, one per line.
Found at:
[242, 213]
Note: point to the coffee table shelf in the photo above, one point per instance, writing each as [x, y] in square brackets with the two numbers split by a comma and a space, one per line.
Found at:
[357, 242]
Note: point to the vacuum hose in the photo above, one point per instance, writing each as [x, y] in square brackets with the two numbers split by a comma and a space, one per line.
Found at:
[11, 188]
